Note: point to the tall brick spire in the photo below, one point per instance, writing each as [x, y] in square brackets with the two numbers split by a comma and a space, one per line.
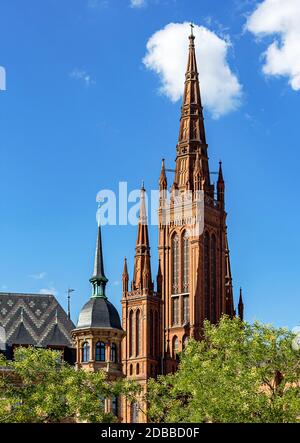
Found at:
[192, 132]
[142, 264]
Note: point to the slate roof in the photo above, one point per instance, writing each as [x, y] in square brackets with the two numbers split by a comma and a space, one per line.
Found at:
[34, 319]
[98, 312]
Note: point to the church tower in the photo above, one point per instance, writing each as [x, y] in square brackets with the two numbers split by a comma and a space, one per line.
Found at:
[193, 246]
[98, 334]
[141, 318]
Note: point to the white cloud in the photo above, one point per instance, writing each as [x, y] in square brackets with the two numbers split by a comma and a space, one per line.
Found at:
[282, 18]
[167, 52]
[38, 276]
[81, 75]
[137, 3]
[47, 291]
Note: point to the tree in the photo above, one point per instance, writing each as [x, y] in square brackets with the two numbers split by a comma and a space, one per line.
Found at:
[39, 387]
[238, 373]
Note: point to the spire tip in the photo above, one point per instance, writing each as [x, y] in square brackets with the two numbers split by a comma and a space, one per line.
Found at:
[192, 30]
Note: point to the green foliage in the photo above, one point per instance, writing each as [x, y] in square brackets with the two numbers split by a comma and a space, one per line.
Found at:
[39, 387]
[238, 373]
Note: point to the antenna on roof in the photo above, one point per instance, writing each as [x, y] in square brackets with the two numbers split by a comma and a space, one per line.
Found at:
[69, 291]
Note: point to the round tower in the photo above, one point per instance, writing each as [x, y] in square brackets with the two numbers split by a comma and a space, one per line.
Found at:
[99, 333]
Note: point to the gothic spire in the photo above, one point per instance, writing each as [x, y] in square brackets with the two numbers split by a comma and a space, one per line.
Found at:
[142, 238]
[192, 132]
[163, 178]
[98, 278]
[229, 307]
[241, 306]
[159, 278]
[142, 264]
[125, 277]
[221, 186]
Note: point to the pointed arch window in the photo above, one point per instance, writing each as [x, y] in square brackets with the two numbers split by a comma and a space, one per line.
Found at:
[138, 332]
[206, 276]
[186, 262]
[175, 264]
[185, 341]
[115, 406]
[156, 335]
[175, 310]
[100, 351]
[151, 333]
[113, 353]
[213, 267]
[135, 413]
[186, 309]
[131, 333]
[175, 346]
[85, 352]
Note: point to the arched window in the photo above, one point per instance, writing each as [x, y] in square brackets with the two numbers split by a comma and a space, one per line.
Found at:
[175, 264]
[186, 262]
[175, 310]
[151, 333]
[186, 309]
[138, 332]
[131, 334]
[100, 351]
[206, 276]
[175, 346]
[137, 369]
[134, 413]
[115, 406]
[185, 341]
[131, 369]
[156, 333]
[213, 267]
[113, 353]
[85, 352]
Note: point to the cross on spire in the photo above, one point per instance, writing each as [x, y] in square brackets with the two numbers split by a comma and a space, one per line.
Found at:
[192, 28]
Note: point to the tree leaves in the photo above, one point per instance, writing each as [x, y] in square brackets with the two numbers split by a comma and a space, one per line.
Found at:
[237, 373]
[39, 387]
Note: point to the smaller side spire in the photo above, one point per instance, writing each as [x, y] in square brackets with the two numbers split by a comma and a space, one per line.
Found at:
[229, 305]
[98, 278]
[125, 277]
[142, 256]
[221, 187]
[159, 278]
[241, 306]
[163, 184]
[142, 238]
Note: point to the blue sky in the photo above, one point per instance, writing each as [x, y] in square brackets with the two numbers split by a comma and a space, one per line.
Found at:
[81, 112]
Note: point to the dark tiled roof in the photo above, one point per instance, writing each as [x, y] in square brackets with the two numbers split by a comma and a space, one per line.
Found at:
[34, 319]
[2, 339]
[98, 312]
